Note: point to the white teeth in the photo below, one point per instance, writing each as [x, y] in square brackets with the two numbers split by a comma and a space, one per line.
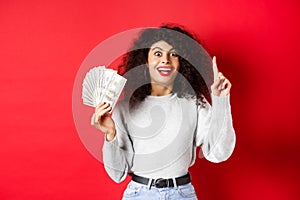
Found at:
[164, 69]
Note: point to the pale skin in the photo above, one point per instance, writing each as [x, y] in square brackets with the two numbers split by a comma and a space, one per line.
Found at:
[160, 54]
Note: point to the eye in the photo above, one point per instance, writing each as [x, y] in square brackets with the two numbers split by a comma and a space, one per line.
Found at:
[157, 53]
[173, 54]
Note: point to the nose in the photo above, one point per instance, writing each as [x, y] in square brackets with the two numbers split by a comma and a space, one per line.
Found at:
[165, 59]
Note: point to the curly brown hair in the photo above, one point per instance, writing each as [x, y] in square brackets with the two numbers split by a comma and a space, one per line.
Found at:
[194, 64]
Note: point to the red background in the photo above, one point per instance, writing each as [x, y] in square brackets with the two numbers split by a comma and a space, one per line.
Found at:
[42, 46]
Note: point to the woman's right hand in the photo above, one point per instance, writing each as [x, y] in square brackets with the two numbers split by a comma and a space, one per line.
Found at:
[104, 121]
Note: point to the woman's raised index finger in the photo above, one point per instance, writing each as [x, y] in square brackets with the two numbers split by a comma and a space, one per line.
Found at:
[215, 68]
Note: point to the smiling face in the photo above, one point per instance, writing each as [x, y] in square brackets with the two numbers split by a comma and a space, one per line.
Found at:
[163, 63]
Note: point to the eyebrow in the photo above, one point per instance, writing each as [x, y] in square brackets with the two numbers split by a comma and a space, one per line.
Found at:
[162, 49]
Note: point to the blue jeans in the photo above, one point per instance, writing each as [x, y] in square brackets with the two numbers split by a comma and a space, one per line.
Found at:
[137, 191]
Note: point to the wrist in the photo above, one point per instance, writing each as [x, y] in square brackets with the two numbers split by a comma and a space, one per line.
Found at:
[110, 135]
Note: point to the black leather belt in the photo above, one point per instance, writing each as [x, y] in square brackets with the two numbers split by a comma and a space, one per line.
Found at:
[162, 183]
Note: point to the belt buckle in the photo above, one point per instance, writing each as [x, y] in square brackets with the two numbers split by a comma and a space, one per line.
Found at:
[160, 183]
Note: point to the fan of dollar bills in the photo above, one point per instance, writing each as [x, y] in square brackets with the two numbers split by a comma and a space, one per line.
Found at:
[102, 85]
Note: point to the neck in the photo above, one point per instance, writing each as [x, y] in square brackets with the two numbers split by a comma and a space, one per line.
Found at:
[160, 90]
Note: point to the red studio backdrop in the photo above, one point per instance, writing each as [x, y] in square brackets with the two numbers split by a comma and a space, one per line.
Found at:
[43, 44]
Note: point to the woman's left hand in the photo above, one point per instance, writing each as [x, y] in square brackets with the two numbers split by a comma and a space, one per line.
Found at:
[221, 85]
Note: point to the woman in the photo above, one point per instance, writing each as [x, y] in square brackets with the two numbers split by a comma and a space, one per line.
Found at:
[164, 115]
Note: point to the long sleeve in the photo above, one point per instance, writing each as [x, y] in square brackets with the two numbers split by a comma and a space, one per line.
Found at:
[215, 133]
[118, 153]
